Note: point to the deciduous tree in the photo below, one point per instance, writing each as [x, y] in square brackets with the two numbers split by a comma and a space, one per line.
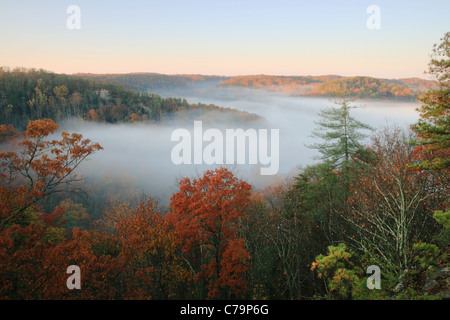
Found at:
[206, 215]
[390, 204]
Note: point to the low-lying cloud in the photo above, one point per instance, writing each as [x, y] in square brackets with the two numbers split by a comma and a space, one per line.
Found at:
[144, 150]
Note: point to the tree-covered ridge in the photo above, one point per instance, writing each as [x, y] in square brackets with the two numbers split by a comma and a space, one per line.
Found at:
[364, 87]
[30, 94]
[261, 81]
[143, 81]
[325, 85]
[333, 85]
[293, 85]
[415, 84]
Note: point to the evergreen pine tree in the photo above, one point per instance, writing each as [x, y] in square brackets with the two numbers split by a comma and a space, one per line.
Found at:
[433, 128]
[341, 135]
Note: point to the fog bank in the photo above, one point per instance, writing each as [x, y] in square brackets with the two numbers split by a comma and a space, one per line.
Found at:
[144, 150]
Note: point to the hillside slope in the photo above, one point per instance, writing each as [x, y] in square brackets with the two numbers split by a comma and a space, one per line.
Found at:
[325, 85]
[30, 94]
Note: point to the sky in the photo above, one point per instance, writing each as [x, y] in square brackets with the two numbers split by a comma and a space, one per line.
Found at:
[224, 37]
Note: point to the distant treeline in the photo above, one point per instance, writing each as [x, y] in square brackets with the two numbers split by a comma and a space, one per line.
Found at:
[148, 82]
[364, 87]
[30, 94]
[326, 85]
[336, 86]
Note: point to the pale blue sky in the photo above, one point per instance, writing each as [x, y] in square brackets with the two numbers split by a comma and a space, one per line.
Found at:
[229, 37]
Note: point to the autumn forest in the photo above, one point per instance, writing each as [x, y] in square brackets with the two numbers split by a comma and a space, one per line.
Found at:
[374, 197]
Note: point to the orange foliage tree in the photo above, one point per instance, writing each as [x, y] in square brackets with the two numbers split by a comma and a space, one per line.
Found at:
[41, 167]
[34, 252]
[206, 215]
[149, 264]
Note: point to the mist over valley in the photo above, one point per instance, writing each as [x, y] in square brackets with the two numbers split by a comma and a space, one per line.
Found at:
[143, 150]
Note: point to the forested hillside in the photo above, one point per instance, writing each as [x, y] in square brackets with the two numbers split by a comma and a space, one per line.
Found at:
[29, 94]
[364, 87]
[336, 86]
[369, 220]
[154, 81]
[326, 85]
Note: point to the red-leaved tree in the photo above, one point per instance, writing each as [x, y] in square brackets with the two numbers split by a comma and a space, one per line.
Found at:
[206, 214]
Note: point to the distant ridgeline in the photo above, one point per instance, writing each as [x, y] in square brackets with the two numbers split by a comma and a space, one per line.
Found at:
[155, 82]
[29, 94]
[326, 85]
[334, 86]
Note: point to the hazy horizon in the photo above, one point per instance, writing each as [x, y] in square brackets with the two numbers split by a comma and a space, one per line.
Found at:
[224, 37]
[241, 75]
[428, 78]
